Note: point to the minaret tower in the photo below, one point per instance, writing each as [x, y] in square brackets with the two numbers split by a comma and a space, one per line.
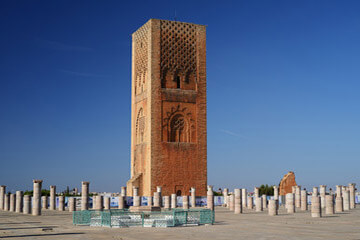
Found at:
[168, 108]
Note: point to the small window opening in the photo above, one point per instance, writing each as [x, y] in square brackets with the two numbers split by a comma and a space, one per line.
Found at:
[177, 81]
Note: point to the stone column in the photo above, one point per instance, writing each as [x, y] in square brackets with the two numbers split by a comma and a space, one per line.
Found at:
[2, 196]
[346, 200]
[303, 200]
[19, 202]
[338, 191]
[193, 198]
[137, 201]
[329, 202]
[293, 189]
[272, 208]
[290, 206]
[107, 203]
[298, 196]
[264, 201]
[315, 206]
[258, 205]
[12, 202]
[210, 198]
[150, 201]
[61, 203]
[315, 191]
[85, 196]
[159, 190]
[276, 192]
[244, 197]
[339, 204]
[276, 196]
[185, 202]
[27, 204]
[121, 202]
[228, 201]
[135, 191]
[250, 202]
[352, 195]
[225, 194]
[123, 191]
[52, 197]
[157, 196]
[99, 202]
[256, 192]
[322, 195]
[7, 202]
[238, 205]
[231, 202]
[167, 202]
[36, 208]
[72, 204]
[44, 202]
[173, 200]
[343, 189]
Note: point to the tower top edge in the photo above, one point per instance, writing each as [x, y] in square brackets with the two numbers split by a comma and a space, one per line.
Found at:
[164, 20]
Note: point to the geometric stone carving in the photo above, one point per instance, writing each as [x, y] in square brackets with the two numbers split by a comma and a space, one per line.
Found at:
[178, 52]
[141, 58]
[179, 125]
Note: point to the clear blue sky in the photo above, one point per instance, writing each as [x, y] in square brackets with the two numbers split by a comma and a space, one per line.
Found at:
[283, 90]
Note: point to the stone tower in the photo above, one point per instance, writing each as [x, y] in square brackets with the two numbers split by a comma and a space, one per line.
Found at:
[168, 108]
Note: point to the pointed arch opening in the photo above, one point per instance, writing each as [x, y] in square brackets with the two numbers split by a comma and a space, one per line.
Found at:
[179, 129]
[140, 126]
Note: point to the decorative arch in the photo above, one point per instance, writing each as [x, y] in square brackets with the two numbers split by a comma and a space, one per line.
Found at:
[178, 125]
[179, 129]
[140, 126]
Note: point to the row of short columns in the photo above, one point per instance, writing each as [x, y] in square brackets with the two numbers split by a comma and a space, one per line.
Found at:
[239, 200]
[22, 204]
[27, 204]
[321, 201]
[344, 199]
[170, 202]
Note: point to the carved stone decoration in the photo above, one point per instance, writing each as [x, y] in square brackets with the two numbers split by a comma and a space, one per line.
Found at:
[140, 127]
[141, 58]
[179, 125]
[178, 53]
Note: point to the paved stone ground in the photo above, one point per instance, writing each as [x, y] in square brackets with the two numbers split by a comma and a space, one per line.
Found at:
[250, 225]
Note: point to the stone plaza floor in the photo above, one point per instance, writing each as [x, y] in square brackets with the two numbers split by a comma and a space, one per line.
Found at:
[249, 225]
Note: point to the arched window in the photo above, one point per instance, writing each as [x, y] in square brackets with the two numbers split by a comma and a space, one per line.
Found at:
[179, 129]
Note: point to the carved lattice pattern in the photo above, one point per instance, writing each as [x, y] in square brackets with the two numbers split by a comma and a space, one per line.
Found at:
[178, 47]
[141, 57]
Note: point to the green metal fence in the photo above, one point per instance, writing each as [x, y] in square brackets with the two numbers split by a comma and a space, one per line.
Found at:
[123, 218]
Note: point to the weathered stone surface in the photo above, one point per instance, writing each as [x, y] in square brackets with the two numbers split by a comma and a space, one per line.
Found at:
[286, 183]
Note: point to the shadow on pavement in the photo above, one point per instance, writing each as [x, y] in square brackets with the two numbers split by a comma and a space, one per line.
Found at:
[39, 235]
[19, 223]
[28, 228]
